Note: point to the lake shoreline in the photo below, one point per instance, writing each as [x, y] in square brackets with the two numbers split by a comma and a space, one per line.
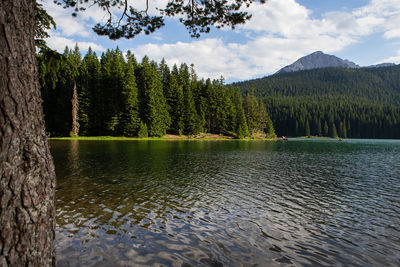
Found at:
[168, 137]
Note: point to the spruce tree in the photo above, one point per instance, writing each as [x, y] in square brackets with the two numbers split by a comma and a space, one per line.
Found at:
[153, 104]
[308, 132]
[211, 108]
[93, 92]
[175, 102]
[130, 120]
[333, 130]
[84, 99]
[251, 111]
[115, 91]
[241, 124]
[326, 129]
[190, 117]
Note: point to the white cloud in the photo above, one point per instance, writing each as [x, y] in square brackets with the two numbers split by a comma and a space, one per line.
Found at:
[58, 43]
[280, 17]
[66, 24]
[284, 32]
[382, 16]
[93, 14]
[213, 58]
[210, 56]
[280, 32]
[393, 59]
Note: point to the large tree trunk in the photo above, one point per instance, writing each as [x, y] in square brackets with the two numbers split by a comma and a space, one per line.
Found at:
[27, 178]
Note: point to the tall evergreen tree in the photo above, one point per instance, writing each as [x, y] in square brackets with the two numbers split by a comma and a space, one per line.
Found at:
[153, 104]
[175, 102]
[91, 97]
[75, 62]
[251, 111]
[130, 120]
[241, 124]
[190, 116]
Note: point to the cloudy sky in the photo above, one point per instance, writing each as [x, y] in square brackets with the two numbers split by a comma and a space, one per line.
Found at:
[364, 31]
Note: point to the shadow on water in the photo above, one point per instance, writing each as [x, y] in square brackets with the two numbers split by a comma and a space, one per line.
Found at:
[233, 203]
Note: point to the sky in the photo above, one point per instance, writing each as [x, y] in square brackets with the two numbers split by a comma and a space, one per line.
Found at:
[281, 31]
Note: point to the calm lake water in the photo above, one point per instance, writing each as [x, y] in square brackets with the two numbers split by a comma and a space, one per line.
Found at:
[228, 203]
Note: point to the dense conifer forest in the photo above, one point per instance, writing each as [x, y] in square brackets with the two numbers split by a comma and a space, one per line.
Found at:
[357, 103]
[117, 95]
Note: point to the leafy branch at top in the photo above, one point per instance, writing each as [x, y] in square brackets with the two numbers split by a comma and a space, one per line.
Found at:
[43, 22]
[197, 15]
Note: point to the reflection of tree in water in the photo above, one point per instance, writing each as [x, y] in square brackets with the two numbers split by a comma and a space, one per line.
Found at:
[158, 195]
[73, 156]
[143, 183]
[149, 203]
[126, 195]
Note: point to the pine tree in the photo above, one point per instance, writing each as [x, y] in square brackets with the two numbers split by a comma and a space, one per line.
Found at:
[333, 130]
[153, 104]
[190, 115]
[342, 129]
[251, 111]
[75, 62]
[83, 99]
[308, 132]
[130, 120]
[201, 104]
[143, 132]
[319, 129]
[92, 93]
[241, 124]
[165, 74]
[270, 130]
[115, 91]
[211, 108]
[175, 102]
[326, 129]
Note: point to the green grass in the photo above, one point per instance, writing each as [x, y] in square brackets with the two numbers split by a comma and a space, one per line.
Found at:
[118, 138]
[106, 138]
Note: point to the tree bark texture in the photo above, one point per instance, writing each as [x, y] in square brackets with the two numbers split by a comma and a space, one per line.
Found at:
[75, 108]
[27, 177]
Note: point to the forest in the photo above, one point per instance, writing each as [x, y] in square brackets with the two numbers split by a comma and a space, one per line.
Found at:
[115, 95]
[350, 103]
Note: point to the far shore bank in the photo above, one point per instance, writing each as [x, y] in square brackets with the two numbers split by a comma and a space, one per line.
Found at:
[168, 137]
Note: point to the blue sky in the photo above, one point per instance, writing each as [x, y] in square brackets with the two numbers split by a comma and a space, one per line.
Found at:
[281, 31]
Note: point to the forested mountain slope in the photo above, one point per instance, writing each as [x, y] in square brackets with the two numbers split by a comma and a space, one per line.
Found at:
[361, 102]
[376, 85]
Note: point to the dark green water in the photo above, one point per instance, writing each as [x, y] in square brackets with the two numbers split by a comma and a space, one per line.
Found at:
[231, 203]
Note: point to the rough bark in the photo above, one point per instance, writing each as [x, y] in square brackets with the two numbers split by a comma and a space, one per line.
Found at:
[75, 108]
[27, 177]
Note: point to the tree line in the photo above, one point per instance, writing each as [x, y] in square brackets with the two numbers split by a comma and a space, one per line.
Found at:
[349, 103]
[333, 118]
[117, 95]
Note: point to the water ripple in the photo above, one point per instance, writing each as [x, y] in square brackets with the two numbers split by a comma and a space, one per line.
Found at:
[300, 203]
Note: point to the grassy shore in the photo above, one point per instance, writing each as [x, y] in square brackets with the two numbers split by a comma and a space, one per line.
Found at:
[164, 138]
[317, 137]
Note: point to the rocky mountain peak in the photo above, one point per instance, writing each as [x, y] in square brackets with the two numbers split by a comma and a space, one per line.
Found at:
[317, 60]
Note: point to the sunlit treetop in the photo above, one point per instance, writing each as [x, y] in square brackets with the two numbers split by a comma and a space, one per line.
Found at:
[197, 15]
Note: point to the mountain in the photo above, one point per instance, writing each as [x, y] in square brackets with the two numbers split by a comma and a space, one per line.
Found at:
[349, 102]
[317, 60]
[374, 85]
[382, 65]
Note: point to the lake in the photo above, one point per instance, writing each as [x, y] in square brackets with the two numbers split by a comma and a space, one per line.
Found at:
[228, 203]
